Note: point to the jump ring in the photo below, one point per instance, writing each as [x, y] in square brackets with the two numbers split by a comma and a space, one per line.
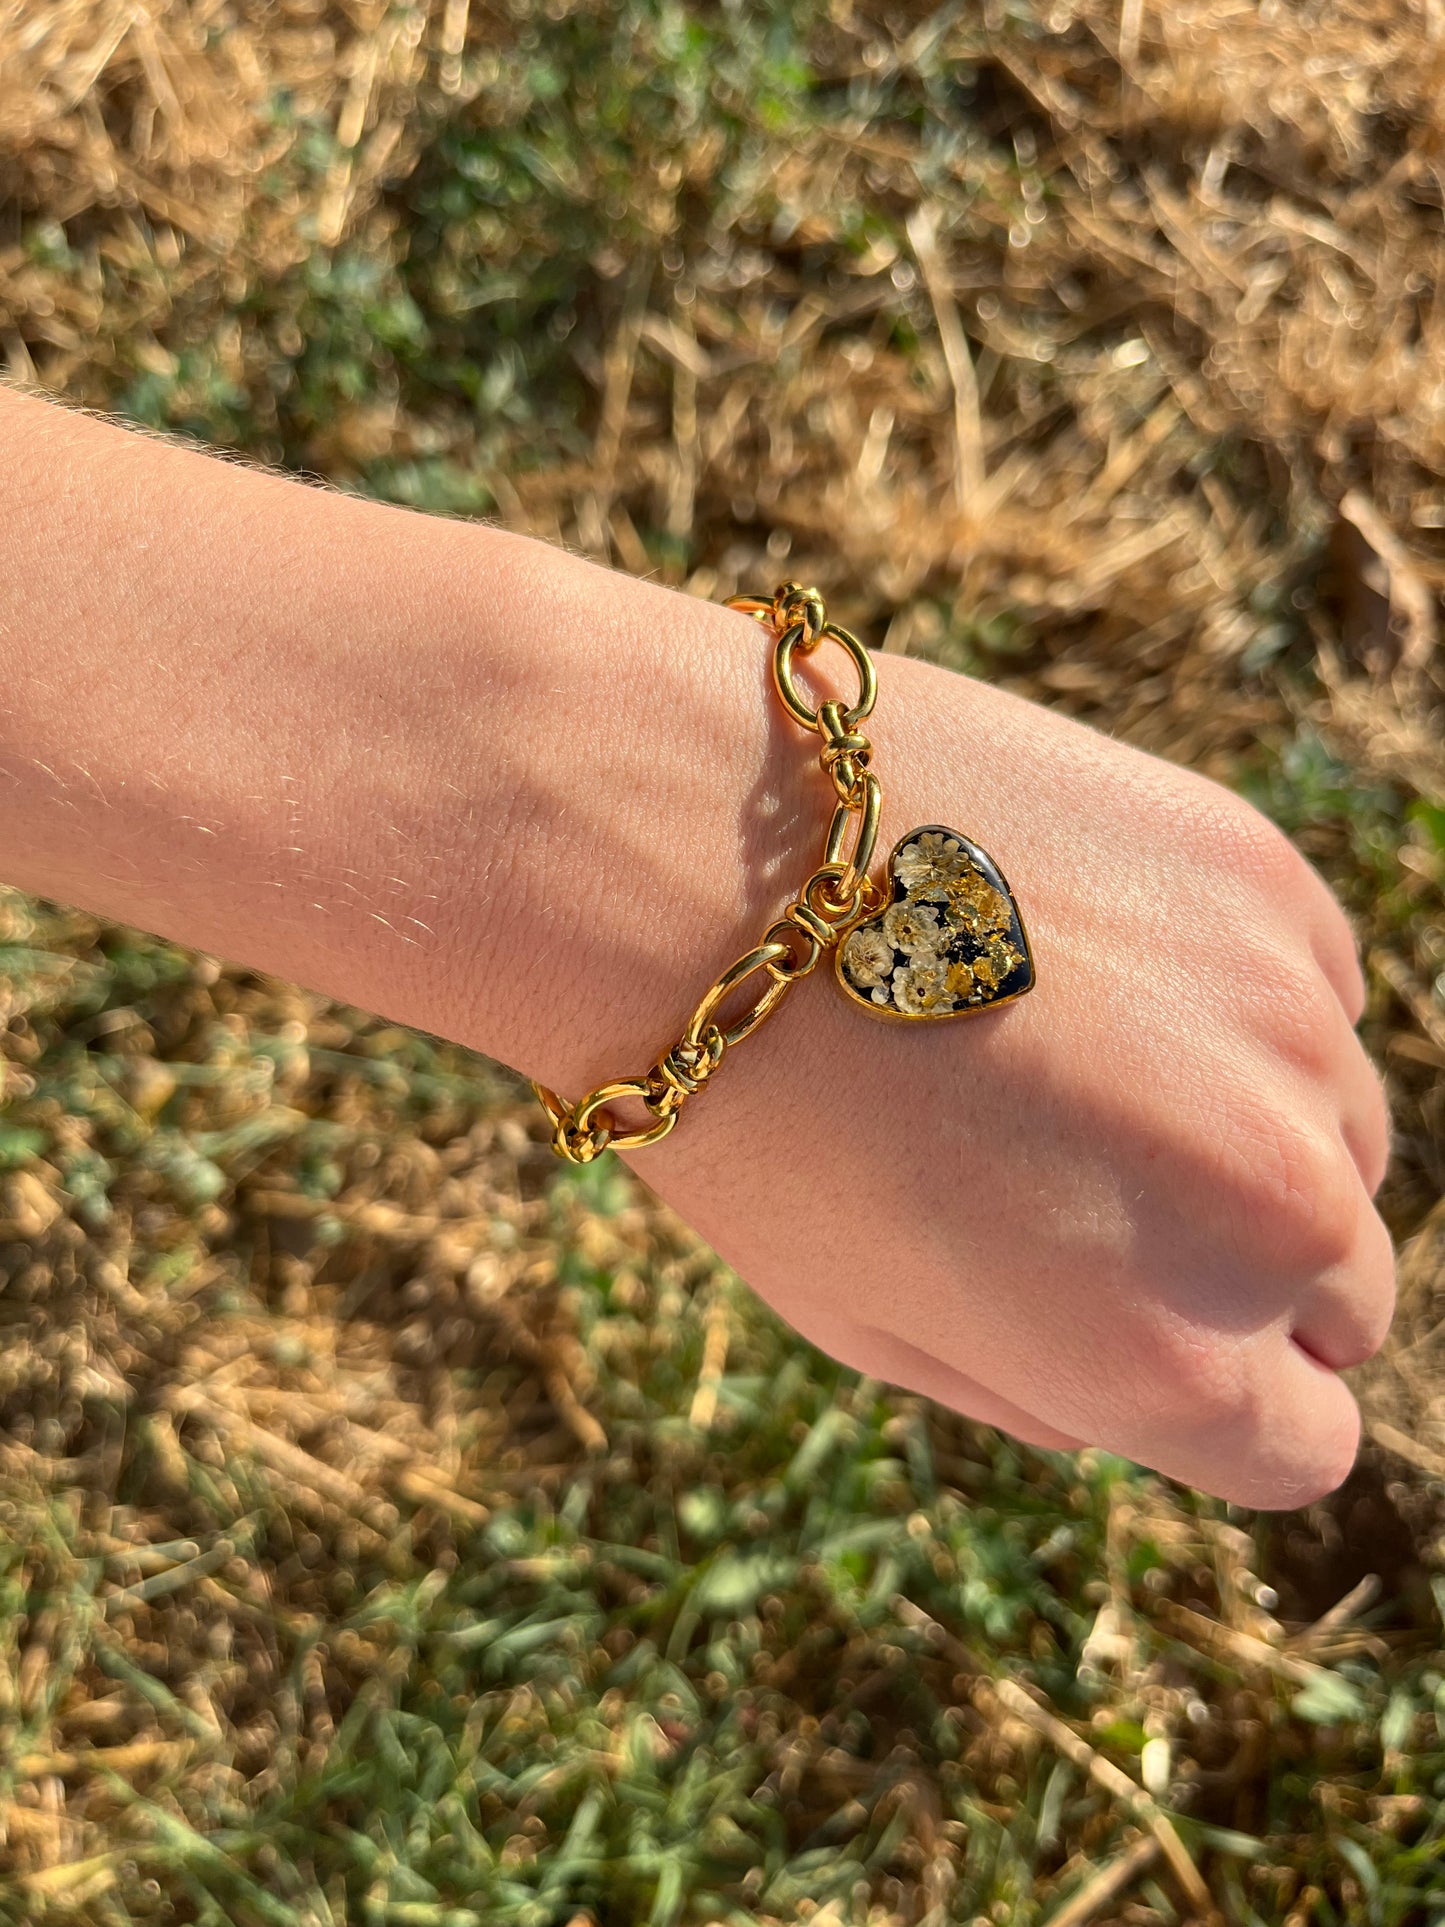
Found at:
[621, 1139]
[802, 712]
[789, 930]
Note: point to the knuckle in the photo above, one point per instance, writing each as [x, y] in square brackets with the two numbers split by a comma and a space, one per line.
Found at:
[1301, 1013]
[1265, 853]
[1248, 843]
[1340, 954]
[1198, 1371]
[1295, 1468]
[1376, 1133]
[1296, 1191]
[1355, 992]
[1377, 1286]
[1345, 1319]
[1336, 1460]
[1288, 1452]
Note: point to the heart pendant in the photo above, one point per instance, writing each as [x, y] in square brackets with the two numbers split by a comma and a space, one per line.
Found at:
[950, 939]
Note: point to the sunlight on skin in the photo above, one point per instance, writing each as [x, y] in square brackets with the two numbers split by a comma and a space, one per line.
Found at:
[494, 791]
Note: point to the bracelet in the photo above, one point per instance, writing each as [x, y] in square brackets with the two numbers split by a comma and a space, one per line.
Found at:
[942, 937]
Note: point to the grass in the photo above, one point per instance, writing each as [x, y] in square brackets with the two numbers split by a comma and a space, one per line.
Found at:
[398, 1528]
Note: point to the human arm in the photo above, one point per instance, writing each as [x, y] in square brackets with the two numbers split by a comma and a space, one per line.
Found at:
[485, 787]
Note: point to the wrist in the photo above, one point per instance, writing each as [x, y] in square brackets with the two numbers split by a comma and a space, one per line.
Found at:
[447, 773]
[659, 810]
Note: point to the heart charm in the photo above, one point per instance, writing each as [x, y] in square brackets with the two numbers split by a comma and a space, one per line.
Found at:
[949, 941]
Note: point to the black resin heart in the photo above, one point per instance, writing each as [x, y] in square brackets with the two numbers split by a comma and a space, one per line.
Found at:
[950, 939]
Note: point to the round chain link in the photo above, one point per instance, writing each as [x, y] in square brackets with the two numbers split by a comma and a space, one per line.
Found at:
[798, 707]
[835, 897]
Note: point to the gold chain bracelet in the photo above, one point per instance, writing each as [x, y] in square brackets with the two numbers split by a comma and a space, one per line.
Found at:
[944, 940]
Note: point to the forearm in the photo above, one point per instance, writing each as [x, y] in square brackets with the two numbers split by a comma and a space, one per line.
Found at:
[486, 788]
[438, 770]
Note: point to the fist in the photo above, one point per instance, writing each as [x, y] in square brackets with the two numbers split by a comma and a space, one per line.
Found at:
[1132, 1209]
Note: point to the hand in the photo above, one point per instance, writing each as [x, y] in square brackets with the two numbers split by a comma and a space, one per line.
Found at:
[1131, 1209]
[484, 787]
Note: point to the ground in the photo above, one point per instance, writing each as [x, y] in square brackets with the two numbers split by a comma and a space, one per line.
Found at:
[400, 1528]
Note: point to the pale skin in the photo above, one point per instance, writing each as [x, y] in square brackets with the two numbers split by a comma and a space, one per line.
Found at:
[479, 785]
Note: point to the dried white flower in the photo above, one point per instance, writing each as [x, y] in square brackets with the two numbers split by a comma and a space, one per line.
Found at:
[930, 859]
[867, 958]
[922, 986]
[911, 927]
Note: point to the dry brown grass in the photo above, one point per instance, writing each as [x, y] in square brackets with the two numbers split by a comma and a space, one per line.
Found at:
[1133, 397]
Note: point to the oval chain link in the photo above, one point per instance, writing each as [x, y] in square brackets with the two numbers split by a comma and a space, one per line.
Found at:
[835, 897]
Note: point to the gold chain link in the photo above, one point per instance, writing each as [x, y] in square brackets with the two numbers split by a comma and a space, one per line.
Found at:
[835, 897]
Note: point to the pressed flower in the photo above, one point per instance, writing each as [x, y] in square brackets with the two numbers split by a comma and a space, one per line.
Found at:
[868, 958]
[911, 927]
[929, 860]
[921, 986]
